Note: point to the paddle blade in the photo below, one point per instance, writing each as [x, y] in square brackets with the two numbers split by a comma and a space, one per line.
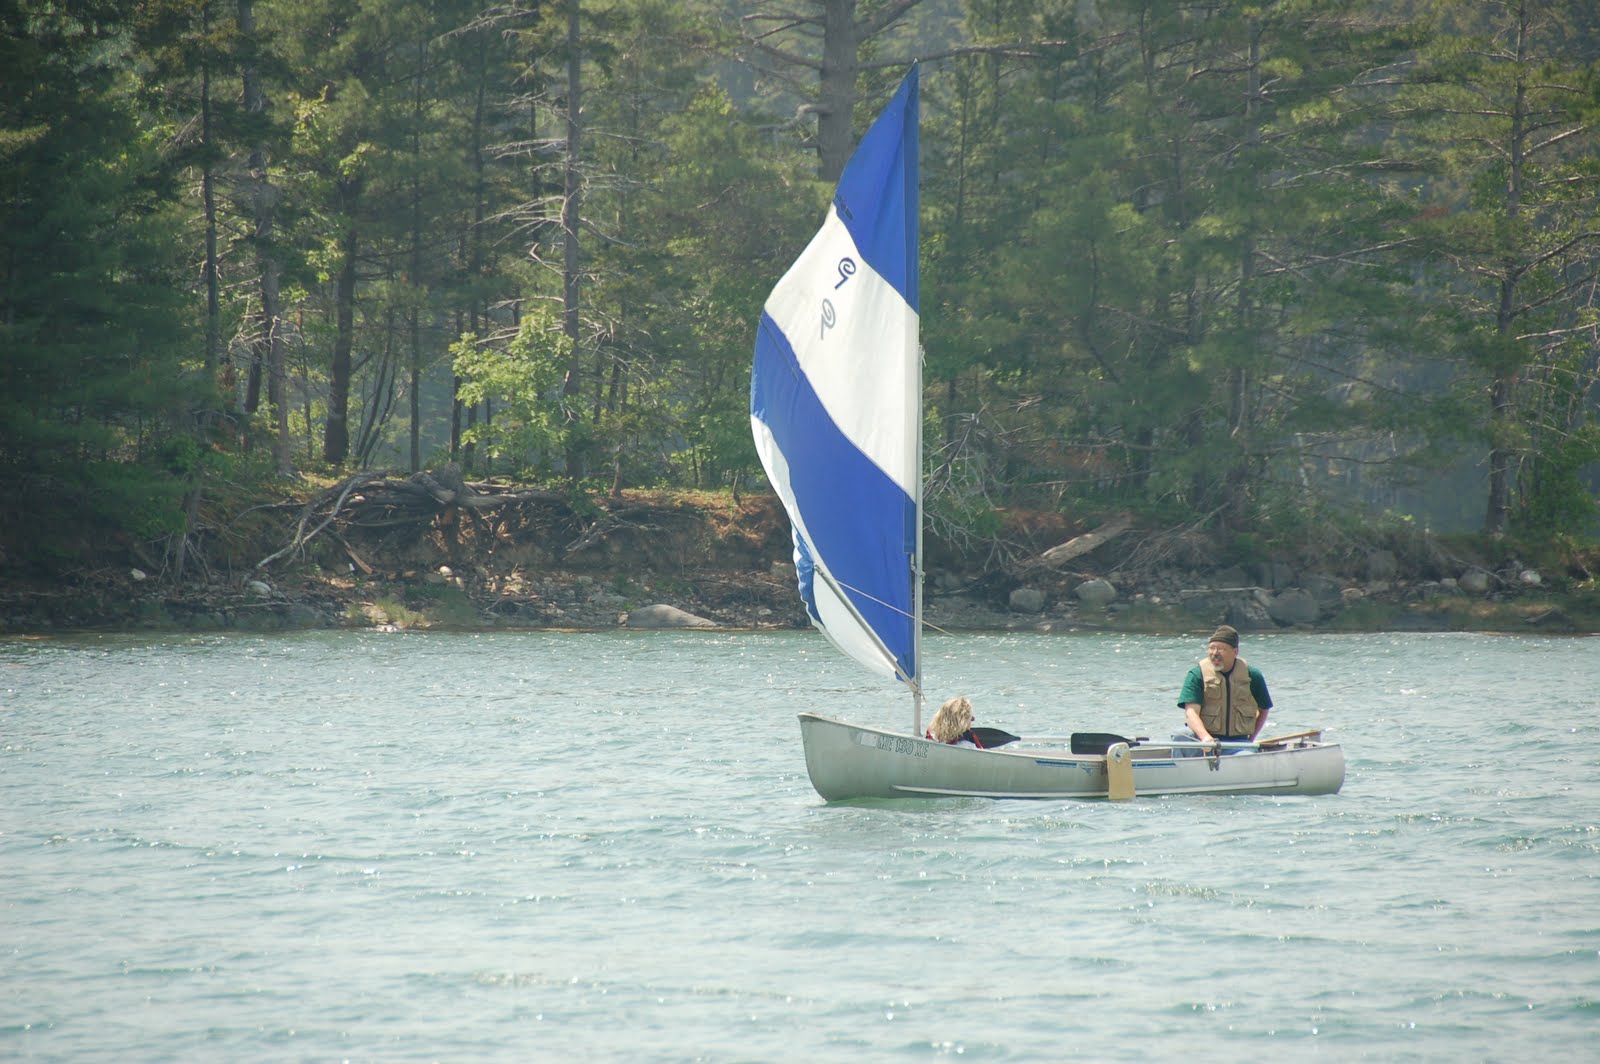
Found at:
[1097, 742]
[993, 737]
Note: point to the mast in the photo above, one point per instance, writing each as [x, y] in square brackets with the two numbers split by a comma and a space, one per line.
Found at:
[916, 566]
[913, 193]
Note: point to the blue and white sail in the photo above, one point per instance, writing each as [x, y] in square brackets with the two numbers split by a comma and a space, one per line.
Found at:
[836, 403]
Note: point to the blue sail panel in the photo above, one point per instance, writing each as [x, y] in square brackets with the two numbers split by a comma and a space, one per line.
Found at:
[877, 193]
[857, 585]
[835, 401]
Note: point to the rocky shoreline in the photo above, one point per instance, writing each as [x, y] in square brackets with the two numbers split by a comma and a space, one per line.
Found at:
[427, 554]
[1272, 598]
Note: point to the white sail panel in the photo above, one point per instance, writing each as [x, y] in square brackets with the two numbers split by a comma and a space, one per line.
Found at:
[856, 341]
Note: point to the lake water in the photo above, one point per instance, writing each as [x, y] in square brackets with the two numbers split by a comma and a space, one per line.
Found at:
[569, 847]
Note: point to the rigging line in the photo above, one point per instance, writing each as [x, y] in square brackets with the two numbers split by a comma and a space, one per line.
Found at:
[869, 595]
[839, 587]
[887, 605]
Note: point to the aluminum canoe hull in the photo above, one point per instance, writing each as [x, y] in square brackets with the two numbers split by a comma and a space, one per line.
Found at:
[856, 761]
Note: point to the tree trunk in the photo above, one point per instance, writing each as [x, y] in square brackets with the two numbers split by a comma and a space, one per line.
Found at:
[208, 195]
[336, 431]
[473, 238]
[1497, 515]
[571, 216]
[1236, 490]
[268, 343]
[1503, 389]
[277, 366]
[837, 89]
[379, 401]
[414, 313]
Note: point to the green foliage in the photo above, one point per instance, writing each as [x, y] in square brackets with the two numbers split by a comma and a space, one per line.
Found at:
[93, 332]
[1180, 286]
[454, 607]
[1509, 233]
[1211, 264]
[147, 503]
[387, 611]
[423, 606]
[535, 425]
[1556, 499]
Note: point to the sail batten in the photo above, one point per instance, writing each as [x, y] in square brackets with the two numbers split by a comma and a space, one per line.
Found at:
[835, 403]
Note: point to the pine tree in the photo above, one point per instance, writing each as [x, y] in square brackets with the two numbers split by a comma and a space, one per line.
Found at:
[94, 386]
[1511, 228]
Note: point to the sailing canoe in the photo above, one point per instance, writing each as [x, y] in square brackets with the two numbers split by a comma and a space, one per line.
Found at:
[858, 761]
[836, 416]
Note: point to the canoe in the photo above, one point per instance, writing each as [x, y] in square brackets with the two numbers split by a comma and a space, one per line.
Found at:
[848, 761]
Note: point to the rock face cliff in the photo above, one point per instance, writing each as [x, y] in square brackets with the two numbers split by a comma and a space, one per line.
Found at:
[433, 550]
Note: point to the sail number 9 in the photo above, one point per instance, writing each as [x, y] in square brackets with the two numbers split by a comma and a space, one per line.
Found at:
[830, 316]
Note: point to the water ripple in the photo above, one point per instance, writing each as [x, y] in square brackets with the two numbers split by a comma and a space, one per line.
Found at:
[518, 846]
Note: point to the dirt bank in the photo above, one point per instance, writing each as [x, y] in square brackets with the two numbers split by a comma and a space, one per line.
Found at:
[436, 552]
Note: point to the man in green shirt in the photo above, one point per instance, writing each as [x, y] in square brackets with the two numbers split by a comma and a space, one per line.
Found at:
[1223, 696]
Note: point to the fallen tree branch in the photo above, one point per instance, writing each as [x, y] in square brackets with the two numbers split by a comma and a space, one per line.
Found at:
[359, 561]
[606, 525]
[373, 501]
[301, 536]
[1059, 555]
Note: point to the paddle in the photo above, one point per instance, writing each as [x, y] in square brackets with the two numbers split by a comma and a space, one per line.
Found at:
[1245, 744]
[1279, 740]
[993, 737]
[1097, 742]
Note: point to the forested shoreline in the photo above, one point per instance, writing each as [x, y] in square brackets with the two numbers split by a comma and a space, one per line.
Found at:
[434, 550]
[1287, 275]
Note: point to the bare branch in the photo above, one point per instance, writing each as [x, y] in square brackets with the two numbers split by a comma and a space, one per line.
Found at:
[886, 17]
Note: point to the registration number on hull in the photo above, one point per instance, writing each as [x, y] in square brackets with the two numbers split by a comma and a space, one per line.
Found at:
[897, 744]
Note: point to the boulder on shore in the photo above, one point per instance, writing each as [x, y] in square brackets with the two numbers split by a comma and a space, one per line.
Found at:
[661, 615]
[1293, 607]
[1096, 594]
[1026, 600]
